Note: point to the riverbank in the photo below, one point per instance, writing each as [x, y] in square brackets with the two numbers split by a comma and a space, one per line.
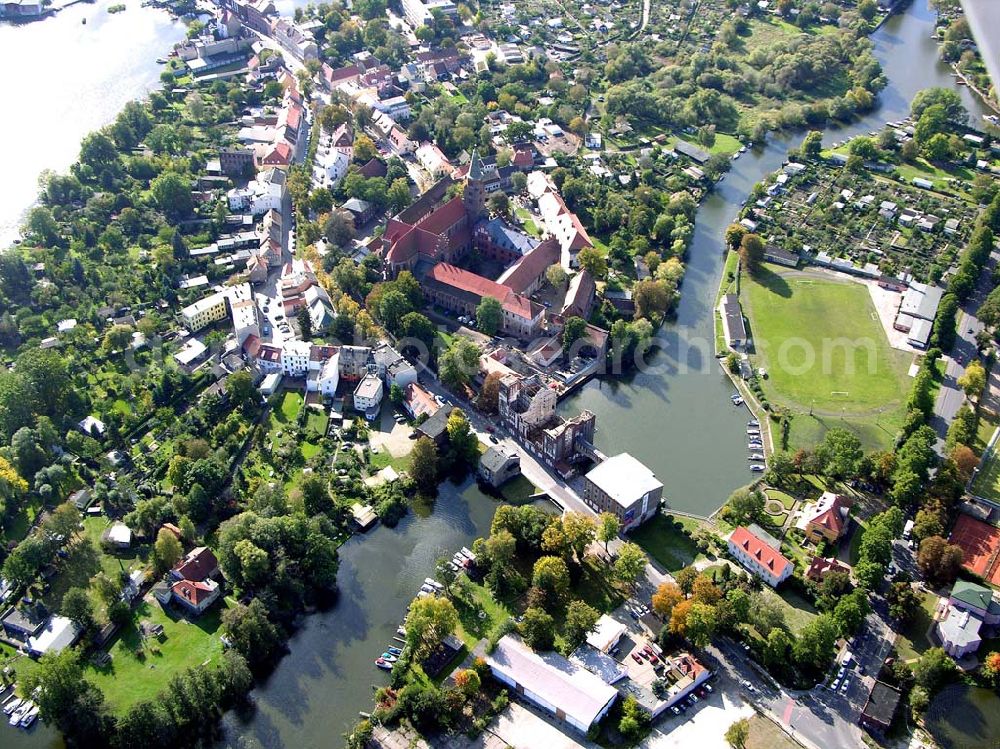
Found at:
[114, 62]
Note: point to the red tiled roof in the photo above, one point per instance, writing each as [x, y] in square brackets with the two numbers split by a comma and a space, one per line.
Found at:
[333, 77]
[463, 280]
[820, 567]
[280, 154]
[374, 168]
[322, 353]
[527, 270]
[766, 556]
[193, 591]
[445, 217]
[293, 116]
[197, 565]
[251, 345]
[267, 352]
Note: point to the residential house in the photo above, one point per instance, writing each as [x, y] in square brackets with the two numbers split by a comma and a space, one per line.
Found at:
[827, 518]
[196, 595]
[971, 610]
[198, 564]
[733, 327]
[368, 396]
[419, 402]
[436, 427]
[880, 708]
[758, 552]
[820, 567]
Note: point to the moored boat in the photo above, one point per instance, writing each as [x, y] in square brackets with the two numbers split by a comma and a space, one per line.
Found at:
[383, 664]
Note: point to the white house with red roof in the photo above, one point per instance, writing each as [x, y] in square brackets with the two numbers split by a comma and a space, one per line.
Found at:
[757, 551]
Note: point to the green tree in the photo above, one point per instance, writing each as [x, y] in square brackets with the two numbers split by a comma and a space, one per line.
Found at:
[745, 506]
[424, 464]
[172, 194]
[973, 381]
[631, 563]
[574, 329]
[734, 235]
[556, 276]
[581, 620]
[77, 607]
[751, 252]
[489, 315]
[608, 527]
[252, 633]
[934, 669]
[459, 363]
[738, 733]
[66, 699]
[551, 575]
[305, 323]
[634, 721]
[429, 620]
[463, 441]
[701, 623]
[814, 646]
[167, 550]
[538, 629]
[812, 144]
[591, 260]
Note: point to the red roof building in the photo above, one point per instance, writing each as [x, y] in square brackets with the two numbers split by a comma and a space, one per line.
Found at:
[199, 565]
[820, 568]
[757, 552]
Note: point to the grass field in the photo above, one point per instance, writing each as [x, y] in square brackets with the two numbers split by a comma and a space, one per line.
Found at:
[913, 640]
[797, 610]
[666, 543]
[824, 350]
[765, 734]
[184, 644]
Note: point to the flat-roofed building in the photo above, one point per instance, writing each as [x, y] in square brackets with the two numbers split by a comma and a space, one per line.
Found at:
[624, 486]
[880, 708]
[560, 687]
[368, 395]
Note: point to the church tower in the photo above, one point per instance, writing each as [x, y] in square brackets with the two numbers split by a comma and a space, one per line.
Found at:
[476, 181]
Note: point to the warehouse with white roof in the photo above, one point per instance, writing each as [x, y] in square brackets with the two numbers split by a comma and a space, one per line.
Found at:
[625, 487]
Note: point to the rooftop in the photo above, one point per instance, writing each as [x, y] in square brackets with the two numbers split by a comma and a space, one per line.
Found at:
[553, 679]
[624, 479]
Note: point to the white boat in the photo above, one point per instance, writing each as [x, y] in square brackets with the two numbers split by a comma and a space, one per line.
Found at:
[422, 594]
[29, 717]
[753, 423]
[15, 717]
[756, 456]
[737, 401]
[12, 704]
[753, 431]
[757, 468]
[429, 589]
[433, 583]
[468, 554]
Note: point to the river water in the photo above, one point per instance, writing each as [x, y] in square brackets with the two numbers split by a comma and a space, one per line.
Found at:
[677, 418]
[61, 80]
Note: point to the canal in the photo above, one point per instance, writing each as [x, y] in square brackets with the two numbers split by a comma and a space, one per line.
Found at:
[676, 416]
[61, 80]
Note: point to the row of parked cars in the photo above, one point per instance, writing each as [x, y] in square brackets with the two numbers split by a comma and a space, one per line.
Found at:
[701, 693]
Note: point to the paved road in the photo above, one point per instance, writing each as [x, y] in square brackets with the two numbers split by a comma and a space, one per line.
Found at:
[818, 717]
[951, 397]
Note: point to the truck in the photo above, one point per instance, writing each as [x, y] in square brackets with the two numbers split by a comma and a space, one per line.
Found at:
[907, 530]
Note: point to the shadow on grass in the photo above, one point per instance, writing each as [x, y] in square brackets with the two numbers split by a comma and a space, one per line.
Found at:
[773, 282]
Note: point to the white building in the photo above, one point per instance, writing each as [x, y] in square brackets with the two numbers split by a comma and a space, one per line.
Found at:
[418, 12]
[758, 553]
[552, 683]
[433, 161]
[368, 395]
[625, 487]
[295, 358]
[326, 378]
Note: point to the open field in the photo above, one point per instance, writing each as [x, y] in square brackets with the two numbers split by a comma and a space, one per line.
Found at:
[765, 734]
[797, 610]
[913, 640]
[824, 350]
[987, 481]
[130, 678]
[666, 543]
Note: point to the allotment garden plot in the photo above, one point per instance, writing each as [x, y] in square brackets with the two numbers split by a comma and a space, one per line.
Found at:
[824, 351]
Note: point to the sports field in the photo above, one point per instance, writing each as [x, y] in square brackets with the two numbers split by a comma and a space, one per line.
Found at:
[824, 350]
[980, 544]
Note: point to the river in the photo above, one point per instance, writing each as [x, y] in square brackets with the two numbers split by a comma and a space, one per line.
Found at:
[677, 419]
[61, 80]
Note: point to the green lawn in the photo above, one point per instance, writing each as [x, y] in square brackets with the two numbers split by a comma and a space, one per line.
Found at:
[913, 640]
[666, 543]
[786, 499]
[479, 613]
[184, 644]
[987, 481]
[316, 421]
[823, 348]
[291, 404]
[797, 610]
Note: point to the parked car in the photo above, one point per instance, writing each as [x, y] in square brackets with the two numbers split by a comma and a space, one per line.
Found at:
[636, 658]
[675, 710]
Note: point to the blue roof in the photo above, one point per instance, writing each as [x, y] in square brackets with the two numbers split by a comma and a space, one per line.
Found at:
[504, 235]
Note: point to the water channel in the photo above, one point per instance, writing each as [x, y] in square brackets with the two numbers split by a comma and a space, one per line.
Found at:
[676, 418]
